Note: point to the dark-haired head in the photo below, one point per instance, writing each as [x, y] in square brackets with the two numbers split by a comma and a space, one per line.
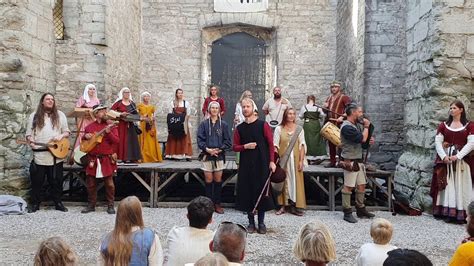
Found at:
[310, 98]
[200, 212]
[459, 105]
[406, 257]
[43, 109]
[351, 108]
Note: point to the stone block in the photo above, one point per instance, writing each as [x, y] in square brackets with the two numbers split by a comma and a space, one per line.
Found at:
[425, 7]
[470, 45]
[98, 38]
[381, 39]
[420, 31]
[457, 23]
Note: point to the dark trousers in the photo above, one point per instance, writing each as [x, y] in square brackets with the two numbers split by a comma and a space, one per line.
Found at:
[332, 153]
[91, 182]
[54, 174]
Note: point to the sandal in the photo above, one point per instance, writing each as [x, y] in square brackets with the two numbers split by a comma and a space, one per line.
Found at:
[280, 211]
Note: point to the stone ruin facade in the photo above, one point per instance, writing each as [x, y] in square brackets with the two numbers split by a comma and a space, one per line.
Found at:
[404, 61]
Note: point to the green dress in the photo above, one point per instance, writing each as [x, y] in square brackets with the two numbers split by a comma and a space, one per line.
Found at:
[312, 135]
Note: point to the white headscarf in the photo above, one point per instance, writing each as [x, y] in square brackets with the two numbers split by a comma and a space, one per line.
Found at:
[120, 94]
[85, 95]
[214, 103]
[144, 94]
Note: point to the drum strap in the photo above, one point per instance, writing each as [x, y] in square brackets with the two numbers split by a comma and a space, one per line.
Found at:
[284, 158]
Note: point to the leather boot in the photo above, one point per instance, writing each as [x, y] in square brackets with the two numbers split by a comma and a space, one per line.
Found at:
[348, 216]
[60, 207]
[110, 209]
[88, 209]
[361, 211]
[33, 208]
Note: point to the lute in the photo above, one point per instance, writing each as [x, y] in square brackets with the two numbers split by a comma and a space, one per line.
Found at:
[88, 145]
[59, 149]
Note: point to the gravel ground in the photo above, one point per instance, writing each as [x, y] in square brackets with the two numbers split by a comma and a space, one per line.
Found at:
[21, 235]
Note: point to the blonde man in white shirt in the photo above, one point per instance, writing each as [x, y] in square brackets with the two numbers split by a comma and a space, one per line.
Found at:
[187, 244]
[46, 124]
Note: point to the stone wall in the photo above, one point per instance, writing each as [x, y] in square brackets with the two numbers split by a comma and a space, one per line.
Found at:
[440, 69]
[384, 78]
[370, 62]
[172, 52]
[350, 47]
[26, 71]
[123, 38]
[80, 57]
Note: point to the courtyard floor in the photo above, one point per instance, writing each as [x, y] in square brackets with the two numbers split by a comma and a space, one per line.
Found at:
[21, 235]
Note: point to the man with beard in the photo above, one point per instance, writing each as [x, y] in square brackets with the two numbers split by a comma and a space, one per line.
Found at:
[275, 107]
[336, 103]
[101, 159]
[254, 140]
[352, 137]
[45, 125]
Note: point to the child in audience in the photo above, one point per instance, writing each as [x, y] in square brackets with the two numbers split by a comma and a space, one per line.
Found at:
[315, 245]
[55, 252]
[375, 253]
[131, 243]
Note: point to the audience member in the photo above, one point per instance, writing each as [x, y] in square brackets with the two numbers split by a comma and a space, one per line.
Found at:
[212, 259]
[230, 240]
[315, 245]
[381, 231]
[464, 254]
[186, 244]
[406, 257]
[55, 252]
[131, 243]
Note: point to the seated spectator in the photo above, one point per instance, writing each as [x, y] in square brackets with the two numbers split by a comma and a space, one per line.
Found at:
[187, 244]
[406, 257]
[212, 259]
[315, 245]
[464, 254]
[230, 240]
[131, 243]
[375, 253]
[55, 252]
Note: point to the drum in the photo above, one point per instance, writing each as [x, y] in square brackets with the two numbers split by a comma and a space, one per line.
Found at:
[332, 133]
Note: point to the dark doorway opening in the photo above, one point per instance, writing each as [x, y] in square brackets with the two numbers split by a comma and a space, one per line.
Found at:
[238, 62]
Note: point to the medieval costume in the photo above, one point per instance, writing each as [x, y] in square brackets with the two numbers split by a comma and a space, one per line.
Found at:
[128, 147]
[254, 168]
[212, 136]
[451, 187]
[312, 128]
[150, 147]
[101, 163]
[86, 101]
[44, 163]
[208, 100]
[337, 105]
[293, 188]
[179, 147]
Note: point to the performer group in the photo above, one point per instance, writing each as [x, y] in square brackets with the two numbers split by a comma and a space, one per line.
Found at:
[128, 133]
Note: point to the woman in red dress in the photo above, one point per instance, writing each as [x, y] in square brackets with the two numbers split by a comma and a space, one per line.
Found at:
[179, 147]
[451, 187]
[213, 97]
[128, 147]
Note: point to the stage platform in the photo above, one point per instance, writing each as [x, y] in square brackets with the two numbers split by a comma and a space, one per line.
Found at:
[155, 177]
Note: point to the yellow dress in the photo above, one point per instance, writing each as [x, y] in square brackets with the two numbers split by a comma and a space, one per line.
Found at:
[293, 188]
[149, 145]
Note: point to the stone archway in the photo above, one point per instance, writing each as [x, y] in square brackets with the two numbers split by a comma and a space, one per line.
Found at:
[267, 39]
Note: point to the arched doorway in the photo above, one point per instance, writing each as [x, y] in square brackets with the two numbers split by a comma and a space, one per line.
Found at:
[238, 62]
